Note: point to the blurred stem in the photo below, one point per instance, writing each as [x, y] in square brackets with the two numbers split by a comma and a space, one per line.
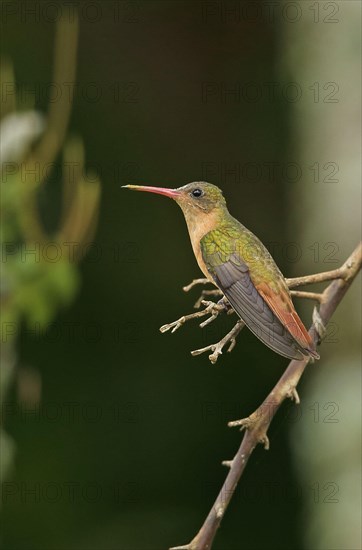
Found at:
[80, 199]
[82, 216]
[8, 103]
[45, 153]
[257, 424]
[65, 62]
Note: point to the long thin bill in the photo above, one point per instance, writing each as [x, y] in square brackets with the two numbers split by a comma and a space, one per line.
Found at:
[172, 193]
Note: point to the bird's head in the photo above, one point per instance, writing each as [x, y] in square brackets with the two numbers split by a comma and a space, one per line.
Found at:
[194, 198]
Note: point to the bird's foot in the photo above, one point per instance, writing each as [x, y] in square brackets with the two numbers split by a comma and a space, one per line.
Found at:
[221, 307]
[225, 304]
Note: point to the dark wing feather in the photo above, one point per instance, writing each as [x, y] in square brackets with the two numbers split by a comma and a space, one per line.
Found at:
[233, 278]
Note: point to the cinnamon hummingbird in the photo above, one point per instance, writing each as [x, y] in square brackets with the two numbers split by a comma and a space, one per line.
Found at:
[237, 262]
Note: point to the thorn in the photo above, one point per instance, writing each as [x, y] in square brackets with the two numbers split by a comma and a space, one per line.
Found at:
[214, 356]
[293, 395]
[227, 463]
[232, 344]
[265, 440]
[245, 423]
[219, 511]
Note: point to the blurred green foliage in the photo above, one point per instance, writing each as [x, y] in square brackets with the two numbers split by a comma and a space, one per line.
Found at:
[35, 283]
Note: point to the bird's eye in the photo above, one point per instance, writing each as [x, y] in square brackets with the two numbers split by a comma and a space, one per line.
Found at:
[197, 193]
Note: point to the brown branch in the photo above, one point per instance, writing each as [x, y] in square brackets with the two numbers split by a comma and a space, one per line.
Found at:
[211, 308]
[217, 348]
[215, 308]
[206, 293]
[316, 277]
[318, 296]
[257, 424]
[195, 282]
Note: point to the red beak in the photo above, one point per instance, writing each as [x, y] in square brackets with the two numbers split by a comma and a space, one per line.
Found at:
[172, 193]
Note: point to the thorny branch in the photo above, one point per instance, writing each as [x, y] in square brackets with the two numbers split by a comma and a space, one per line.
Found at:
[211, 308]
[217, 348]
[257, 424]
[214, 309]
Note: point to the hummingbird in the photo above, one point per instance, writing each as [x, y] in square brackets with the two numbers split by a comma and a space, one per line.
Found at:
[239, 265]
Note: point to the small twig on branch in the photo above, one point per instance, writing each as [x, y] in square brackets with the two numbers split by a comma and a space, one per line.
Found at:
[216, 308]
[317, 277]
[211, 308]
[213, 292]
[204, 293]
[257, 424]
[218, 347]
[310, 295]
[195, 282]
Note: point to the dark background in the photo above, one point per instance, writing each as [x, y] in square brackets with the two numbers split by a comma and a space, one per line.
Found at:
[144, 446]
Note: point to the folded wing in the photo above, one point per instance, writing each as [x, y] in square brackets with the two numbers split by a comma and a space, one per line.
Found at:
[270, 316]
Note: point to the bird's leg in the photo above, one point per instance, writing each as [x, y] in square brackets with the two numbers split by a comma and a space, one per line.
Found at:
[211, 308]
[217, 348]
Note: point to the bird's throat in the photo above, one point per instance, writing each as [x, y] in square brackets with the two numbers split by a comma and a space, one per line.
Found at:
[200, 223]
